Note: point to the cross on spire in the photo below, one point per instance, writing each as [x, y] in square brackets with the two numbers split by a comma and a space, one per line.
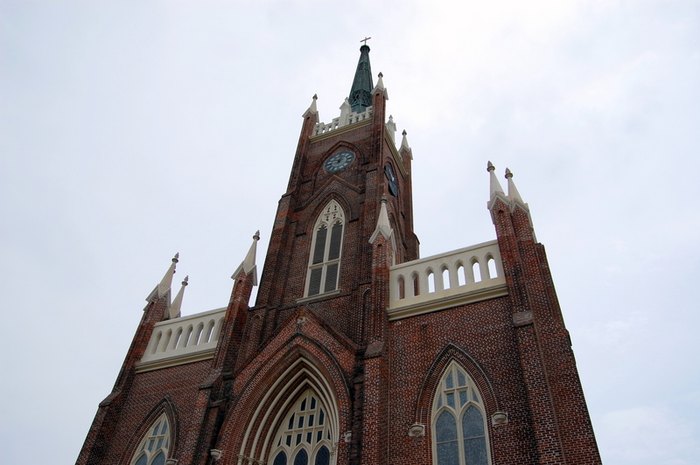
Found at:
[365, 40]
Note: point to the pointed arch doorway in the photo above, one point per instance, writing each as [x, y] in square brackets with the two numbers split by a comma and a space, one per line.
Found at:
[296, 422]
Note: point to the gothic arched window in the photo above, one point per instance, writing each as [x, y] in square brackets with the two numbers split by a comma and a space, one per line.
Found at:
[304, 435]
[458, 421]
[326, 246]
[153, 448]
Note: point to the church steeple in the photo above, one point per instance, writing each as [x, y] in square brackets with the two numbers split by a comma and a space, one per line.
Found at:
[361, 91]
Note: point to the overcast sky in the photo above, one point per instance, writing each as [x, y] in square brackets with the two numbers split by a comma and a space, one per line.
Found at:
[131, 130]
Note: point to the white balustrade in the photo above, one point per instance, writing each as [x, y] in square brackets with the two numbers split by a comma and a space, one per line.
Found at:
[188, 338]
[428, 282]
[323, 128]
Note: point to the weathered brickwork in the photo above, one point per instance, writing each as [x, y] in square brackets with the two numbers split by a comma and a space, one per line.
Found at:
[377, 378]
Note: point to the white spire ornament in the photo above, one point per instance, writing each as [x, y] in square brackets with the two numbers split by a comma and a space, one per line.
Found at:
[247, 266]
[164, 286]
[380, 86]
[391, 129]
[513, 193]
[404, 142]
[174, 310]
[312, 108]
[495, 189]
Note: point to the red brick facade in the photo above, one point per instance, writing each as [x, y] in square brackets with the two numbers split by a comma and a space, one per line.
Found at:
[380, 376]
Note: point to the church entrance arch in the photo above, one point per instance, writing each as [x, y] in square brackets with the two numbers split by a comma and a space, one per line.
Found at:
[297, 422]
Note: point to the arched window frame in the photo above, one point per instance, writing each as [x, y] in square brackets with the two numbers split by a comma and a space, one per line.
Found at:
[297, 427]
[324, 257]
[156, 440]
[458, 407]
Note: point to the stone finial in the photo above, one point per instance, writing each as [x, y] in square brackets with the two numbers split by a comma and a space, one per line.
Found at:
[164, 286]
[404, 141]
[312, 108]
[380, 86]
[513, 193]
[495, 189]
[247, 266]
[383, 226]
[345, 110]
[174, 310]
[495, 186]
[391, 128]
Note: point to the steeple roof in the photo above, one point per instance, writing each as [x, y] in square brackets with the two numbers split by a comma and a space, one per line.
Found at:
[361, 91]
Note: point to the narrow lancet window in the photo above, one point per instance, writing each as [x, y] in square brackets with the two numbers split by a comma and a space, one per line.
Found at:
[326, 250]
[153, 448]
[458, 424]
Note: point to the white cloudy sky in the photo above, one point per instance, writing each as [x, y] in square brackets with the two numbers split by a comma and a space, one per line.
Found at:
[130, 130]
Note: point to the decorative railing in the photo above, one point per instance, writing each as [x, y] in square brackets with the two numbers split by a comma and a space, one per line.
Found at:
[433, 283]
[340, 121]
[185, 339]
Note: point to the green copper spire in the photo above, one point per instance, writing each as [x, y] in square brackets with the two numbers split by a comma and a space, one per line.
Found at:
[361, 91]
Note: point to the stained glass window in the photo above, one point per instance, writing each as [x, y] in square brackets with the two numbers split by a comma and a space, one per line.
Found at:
[154, 446]
[306, 422]
[458, 421]
[323, 456]
[324, 263]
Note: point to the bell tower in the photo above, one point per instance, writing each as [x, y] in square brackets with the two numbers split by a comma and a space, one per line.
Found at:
[342, 174]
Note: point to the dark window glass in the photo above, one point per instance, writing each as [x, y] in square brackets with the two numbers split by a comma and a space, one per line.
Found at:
[461, 379]
[289, 439]
[313, 403]
[300, 423]
[309, 435]
[474, 439]
[336, 236]
[320, 244]
[281, 459]
[303, 405]
[302, 458]
[141, 460]
[319, 436]
[449, 383]
[315, 282]
[472, 423]
[320, 417]
[323, 456]
[291, 422]
[446, 440]
[298, 439]
[331, 277]
[311, 420]
[159, 460]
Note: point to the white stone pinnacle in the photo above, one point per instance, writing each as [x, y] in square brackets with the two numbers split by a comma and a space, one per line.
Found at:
[345, 110]
[167, 280]
[380, 87]
[404, 141]
[248, 264]
[513, 193]
[494, 186]
[383, 226]
[312, 108]
[174, 310]
[391, 128]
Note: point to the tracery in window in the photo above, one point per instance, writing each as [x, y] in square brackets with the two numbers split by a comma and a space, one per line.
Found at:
[458, 425]
[326, 247]
[304, 436]
[153, 448]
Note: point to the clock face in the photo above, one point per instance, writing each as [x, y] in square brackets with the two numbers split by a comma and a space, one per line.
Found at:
[339, 161]
[391, 178]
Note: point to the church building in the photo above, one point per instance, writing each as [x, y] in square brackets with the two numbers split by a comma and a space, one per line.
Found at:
[356, 350]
